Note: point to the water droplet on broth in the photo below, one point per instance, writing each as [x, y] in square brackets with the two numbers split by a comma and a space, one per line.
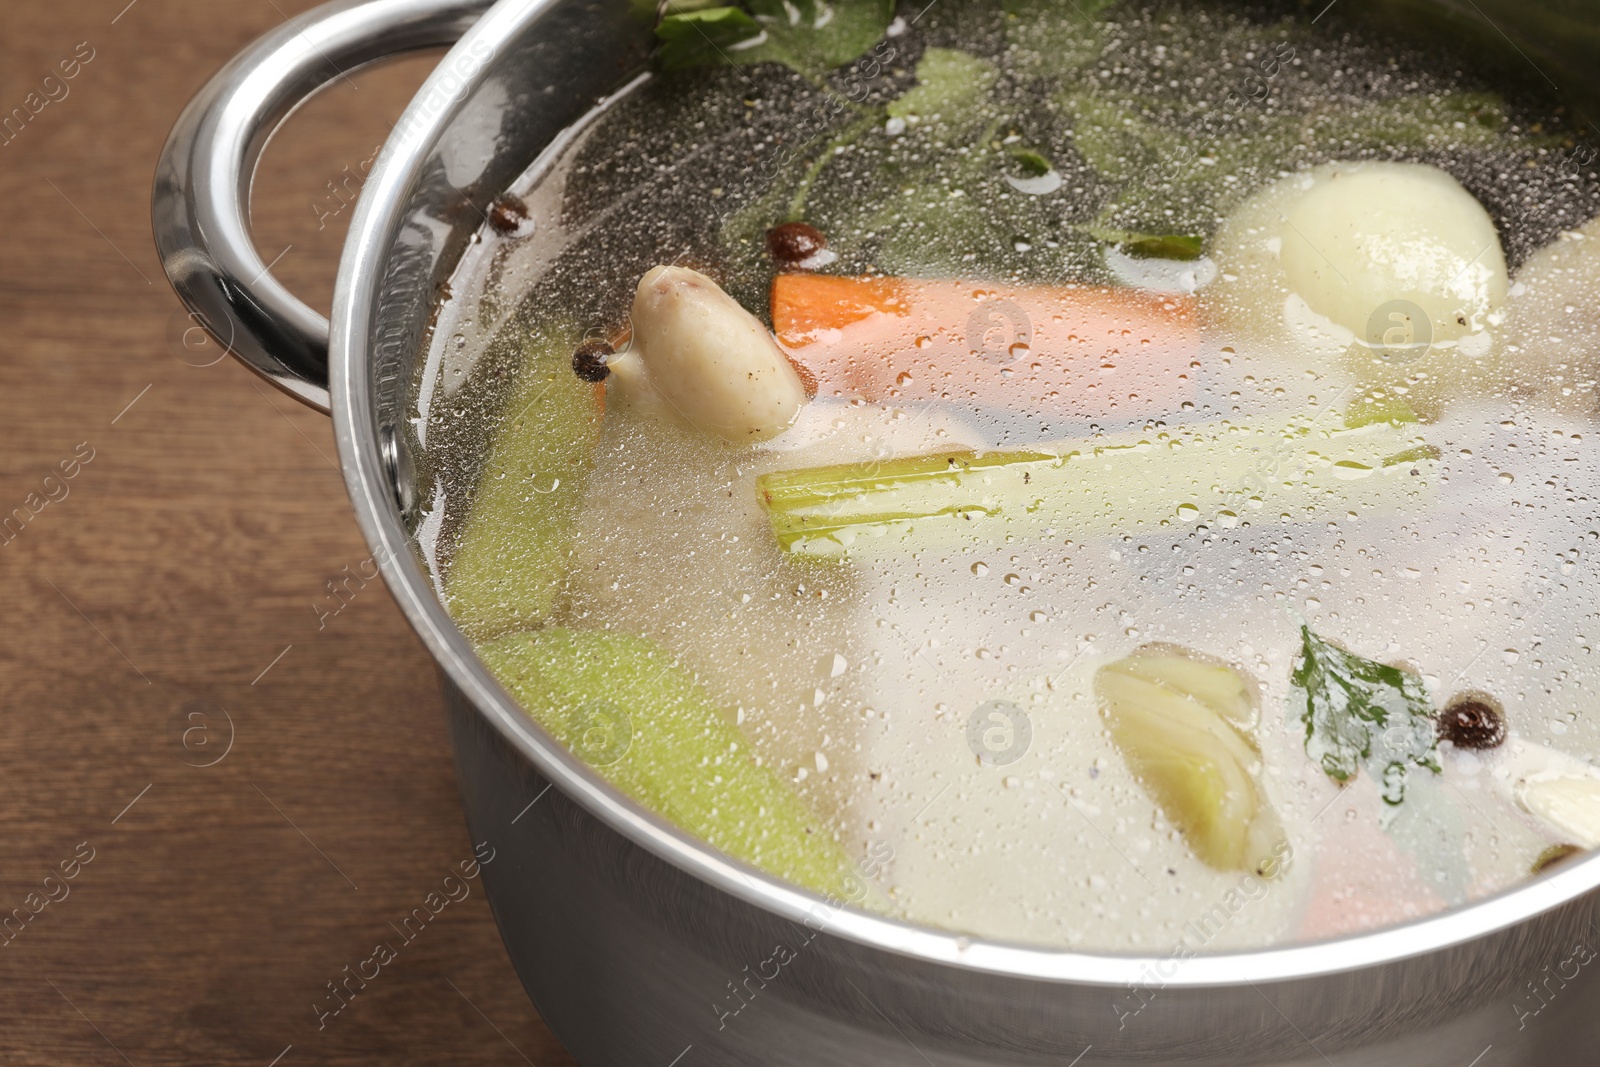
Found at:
[980, 569]
[1348, 470]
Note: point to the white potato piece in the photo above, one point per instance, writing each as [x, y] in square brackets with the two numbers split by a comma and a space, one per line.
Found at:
[1393, 268]
[708, 358]
[1551, 338]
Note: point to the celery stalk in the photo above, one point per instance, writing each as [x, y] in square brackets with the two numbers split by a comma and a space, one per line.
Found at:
[511, 558]
[627, 707]
[1227, 472]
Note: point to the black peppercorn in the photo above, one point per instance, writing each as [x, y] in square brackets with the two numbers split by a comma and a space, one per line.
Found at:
[793, 243]
[508, 214]
[1472, 723]
[589, 361]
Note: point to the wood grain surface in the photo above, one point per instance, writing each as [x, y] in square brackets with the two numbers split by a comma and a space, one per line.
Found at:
[164, 615]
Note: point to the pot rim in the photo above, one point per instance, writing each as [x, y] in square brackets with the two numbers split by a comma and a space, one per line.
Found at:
[375, 222]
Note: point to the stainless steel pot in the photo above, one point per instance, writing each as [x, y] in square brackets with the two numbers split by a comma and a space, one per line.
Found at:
[640, 945]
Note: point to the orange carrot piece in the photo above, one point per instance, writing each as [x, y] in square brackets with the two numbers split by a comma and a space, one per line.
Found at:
[1076, 351]
[804, 305]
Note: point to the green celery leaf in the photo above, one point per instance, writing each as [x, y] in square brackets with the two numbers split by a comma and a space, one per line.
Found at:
[1422, 120]
[822, 37]
[703, 38]
[1049, 37]
[650, 9]
[1034, 163]
[1163, 246]
[952, 87]
[1358, 711]
[809, 36]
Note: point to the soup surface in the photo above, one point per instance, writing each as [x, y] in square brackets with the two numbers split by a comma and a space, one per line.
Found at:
[1166, 517]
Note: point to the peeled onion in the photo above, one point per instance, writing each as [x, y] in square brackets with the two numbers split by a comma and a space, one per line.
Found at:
[1392, 267]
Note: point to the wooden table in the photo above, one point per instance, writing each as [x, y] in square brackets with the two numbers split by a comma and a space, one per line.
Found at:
[172, 587]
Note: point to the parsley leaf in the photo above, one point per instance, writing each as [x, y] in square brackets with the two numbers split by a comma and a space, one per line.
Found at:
[1179, 246]
[1034, 164]
[808, 36]
[1358, 711]
[702, 38]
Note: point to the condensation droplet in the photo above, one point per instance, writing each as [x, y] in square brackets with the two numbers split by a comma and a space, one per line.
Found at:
[1348, 470]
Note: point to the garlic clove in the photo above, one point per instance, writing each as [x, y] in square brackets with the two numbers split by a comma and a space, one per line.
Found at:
[1570, 805]
[708, 359]
[1560, 790]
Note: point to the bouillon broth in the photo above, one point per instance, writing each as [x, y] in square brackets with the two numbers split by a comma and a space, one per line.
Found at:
[1096, 475]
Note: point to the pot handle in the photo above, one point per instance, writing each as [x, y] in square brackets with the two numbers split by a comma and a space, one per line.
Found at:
[201, 203]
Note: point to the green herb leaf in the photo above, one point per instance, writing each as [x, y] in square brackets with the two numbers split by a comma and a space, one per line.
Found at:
[815, 36]
[1358, 711]
[650, 10]
[1180, 246]
[1034, 163]
[703, 38]
[939, 207]
[1163, 246]
[1050, 37]
[952, 87]
[808, 36]
[1421, 120]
